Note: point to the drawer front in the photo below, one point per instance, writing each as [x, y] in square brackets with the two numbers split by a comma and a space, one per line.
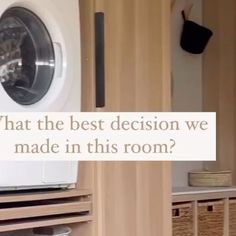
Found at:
[211, 218]
[232, 217]
[182, 219]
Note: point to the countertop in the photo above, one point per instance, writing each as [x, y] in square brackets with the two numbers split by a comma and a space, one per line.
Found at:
[184, 194]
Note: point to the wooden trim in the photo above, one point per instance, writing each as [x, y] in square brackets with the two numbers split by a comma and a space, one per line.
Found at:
[100, 226]
[87, 10]
[166, 54]
[195, 218]
[46, 221]
[181, 205]
[36, 196]
[44, 210]
[165, 188]
[203, 196]
[226, 217]
[211, 203]
[99, 5]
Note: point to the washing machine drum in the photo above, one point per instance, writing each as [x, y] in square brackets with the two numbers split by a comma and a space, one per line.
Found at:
[27, 60]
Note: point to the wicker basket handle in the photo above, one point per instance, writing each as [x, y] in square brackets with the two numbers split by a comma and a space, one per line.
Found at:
[176, 213]
[210, 208]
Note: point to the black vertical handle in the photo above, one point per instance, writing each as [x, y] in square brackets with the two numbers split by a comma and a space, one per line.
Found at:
[99, 59]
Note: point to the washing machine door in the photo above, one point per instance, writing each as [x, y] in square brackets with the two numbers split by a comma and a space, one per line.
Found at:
[27, 60]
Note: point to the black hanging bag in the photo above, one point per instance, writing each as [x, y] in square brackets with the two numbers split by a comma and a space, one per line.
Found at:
[195, 37]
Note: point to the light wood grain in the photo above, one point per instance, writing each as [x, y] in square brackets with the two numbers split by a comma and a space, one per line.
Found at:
[87, 54]
[44, 210]
[43, 195]
[87, 179]
[142, 200]
[219, 78]
[129, 198]
[226, 217]
[47, 221]
[137, 55]
[195, 218]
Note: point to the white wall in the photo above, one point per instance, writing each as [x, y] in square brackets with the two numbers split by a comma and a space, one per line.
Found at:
[187, 80]
[186, 67]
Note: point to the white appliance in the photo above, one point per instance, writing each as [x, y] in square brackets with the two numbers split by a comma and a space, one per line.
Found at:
[39, 71]
[18, 175]
[40, 55]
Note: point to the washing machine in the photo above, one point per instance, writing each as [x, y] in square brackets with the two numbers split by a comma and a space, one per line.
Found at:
[40, 56]
[39, 72]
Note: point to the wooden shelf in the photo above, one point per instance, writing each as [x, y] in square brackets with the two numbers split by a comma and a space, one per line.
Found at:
[24, 196]
[198, 194]
[23, 210]
[11, 213]
[42, 222]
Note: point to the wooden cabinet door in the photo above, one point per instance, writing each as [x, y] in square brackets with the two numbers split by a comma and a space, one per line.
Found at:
[130, 198]
[219, 79]
[137, 54]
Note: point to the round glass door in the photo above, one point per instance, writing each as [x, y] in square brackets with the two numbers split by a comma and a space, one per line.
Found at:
[27, 59]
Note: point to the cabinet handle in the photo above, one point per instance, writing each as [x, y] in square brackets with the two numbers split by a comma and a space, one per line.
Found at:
[175, 213]
[99, 60]
[210, 208]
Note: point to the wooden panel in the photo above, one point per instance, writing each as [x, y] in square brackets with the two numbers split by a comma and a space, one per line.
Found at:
[137, 56]
[87, 52]
[219, 78]
[119, 198]
[42, 222]
[226, 217]
[129, 198]
[8, 213]
[42, 195]
[137, 79]
[87, 170]
[119, 55]
[195, 217]
[152, 55]
[87, 179]
[140, 191]
[153, 198]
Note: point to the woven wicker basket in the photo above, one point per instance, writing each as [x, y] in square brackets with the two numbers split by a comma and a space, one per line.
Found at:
[232, 217]
[210, 179]
[182, 219]
[211, 218]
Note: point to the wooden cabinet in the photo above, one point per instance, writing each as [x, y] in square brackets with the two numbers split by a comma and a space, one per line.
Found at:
[25, 210]
[219, 78]
[137, 54]
[129, 198]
